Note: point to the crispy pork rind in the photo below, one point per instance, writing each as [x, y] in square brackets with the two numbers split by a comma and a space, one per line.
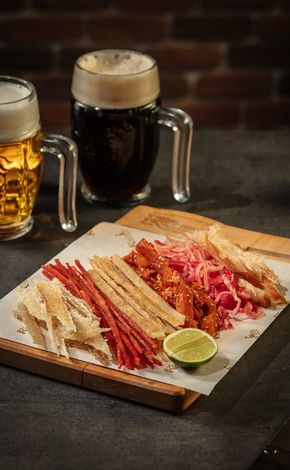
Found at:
[252, 273]
[31, 324]
[47, 305]
[132, 295]
[55, 306]
[36, 306]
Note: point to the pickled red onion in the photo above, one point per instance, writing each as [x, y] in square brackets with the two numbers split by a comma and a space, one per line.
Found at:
[195, 264]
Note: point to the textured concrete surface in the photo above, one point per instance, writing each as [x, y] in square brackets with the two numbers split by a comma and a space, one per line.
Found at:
[241, 179]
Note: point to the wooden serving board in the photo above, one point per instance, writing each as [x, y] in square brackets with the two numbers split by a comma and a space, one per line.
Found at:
[174, 224]
[177, 223]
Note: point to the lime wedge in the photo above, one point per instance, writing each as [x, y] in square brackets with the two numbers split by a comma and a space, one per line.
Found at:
[190, 347]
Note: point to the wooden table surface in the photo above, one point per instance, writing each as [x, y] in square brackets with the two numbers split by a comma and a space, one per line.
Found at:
[238, 178]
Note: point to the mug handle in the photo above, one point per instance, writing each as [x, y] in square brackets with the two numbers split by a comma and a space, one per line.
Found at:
[66, 151]
[182, 126]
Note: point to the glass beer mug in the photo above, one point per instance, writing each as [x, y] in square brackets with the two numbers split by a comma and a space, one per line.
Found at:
[116, 115]
[21, 146]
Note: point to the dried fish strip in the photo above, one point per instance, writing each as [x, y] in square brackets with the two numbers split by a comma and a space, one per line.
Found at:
[165, 311]
[107, 270]
[153, 309]
[152, 327]
[130, 344]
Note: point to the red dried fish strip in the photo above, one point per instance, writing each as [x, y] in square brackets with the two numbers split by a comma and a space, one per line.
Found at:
[131, 346]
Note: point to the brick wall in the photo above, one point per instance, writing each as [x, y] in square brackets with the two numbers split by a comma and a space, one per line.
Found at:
[226, 62]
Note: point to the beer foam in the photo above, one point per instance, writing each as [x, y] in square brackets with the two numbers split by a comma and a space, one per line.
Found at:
[19, 113]
[11, 92]
[115, 79]
[110, 62]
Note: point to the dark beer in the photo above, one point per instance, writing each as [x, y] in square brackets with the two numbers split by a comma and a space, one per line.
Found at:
[115, 105]
[117, 150]
[116, 115]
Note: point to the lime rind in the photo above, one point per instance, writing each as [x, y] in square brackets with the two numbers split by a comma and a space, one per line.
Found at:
[190, 347]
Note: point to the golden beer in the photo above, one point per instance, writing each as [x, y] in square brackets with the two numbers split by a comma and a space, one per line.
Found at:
[21, 148]
[20, 173]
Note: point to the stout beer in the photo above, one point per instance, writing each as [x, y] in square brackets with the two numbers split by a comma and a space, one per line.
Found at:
[116, 115]
[115, 108]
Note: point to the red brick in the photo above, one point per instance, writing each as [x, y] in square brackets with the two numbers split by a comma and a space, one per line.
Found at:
[238, 4]
[69, 55]
[44, 28]
[69, 5]
[55, 114]
[173, 86]
[260, 56]
[20, 59]
[157, 6]
[2, 33]
[208, 114]
[12, 5]
[51, 87]
[234, 84]
[187, 57]
[268, 114]
[284, 84]
[128, 27]
[273, 27]
[211, 27]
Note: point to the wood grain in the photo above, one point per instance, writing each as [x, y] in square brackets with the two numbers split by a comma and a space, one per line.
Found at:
[177, 223]
[41, 362]
[130, 387]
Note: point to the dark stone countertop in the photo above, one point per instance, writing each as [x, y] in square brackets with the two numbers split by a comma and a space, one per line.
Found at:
[239, 178]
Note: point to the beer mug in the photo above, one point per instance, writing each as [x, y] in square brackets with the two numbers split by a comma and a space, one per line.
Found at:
[22, 144]
[116, 115]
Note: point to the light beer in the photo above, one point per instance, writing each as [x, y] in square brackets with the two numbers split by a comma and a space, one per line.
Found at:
[20, 156]
[20, 172]
[22, 145]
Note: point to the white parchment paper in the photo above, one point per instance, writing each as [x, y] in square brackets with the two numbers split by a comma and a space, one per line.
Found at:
[108, 239]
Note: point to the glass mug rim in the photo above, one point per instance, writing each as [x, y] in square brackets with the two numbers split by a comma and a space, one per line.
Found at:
[116, 75]
[21, 81]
